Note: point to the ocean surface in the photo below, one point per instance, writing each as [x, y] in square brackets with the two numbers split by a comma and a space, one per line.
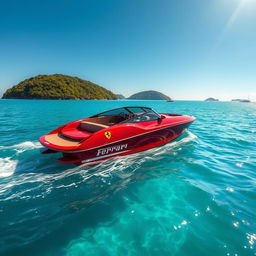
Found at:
[194, 196]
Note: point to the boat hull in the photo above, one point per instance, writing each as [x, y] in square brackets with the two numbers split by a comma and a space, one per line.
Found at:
[126, 146]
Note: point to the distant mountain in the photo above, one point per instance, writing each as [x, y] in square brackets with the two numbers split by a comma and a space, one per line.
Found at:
[149, 95]
[57, 86]
[120, 96]
[211, 99]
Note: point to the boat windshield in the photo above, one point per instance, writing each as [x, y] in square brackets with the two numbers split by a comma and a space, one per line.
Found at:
[124, 111]
[143, 117]
[126, 115]
[114, 112]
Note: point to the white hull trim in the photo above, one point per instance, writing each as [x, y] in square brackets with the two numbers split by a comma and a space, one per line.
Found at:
[102, 157]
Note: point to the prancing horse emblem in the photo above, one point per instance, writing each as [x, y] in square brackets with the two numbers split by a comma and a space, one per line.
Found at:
[108, 135]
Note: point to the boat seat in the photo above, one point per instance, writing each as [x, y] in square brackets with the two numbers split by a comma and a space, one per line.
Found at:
[74, 133]
[92, 127]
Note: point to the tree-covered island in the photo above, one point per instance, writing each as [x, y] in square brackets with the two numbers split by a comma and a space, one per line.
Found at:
[149, 95]
[57, 86]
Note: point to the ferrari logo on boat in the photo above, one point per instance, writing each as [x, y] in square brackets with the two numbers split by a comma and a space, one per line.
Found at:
[108, 135]
[113, 150]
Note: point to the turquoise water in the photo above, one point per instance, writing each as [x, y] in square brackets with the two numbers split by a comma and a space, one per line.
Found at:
[195, 196]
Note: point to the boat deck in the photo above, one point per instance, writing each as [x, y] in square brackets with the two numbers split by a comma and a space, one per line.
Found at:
[59, 140]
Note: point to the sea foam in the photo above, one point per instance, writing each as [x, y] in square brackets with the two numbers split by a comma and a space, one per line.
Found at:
[7, 166]
[23, 146]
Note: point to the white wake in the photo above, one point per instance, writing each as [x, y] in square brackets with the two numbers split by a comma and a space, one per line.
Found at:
[23, 146]
[7, 166]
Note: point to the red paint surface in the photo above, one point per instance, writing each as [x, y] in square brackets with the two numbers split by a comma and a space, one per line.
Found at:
[138, 136]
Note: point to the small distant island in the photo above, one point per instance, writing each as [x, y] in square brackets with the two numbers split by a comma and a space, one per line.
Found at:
[242, 100]
[57, 86]
[149, 95]
[120, 96]
[211, 99]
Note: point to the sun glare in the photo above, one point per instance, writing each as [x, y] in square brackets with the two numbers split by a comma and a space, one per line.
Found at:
[241, 6]
[243, 2]
[249, 1]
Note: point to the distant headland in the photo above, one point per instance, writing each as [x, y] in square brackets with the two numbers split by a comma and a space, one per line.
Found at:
[149, 95]
[57, 86]
[211, 99]
[120, 96]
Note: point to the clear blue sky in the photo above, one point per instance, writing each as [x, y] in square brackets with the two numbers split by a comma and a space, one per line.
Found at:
[189, 49]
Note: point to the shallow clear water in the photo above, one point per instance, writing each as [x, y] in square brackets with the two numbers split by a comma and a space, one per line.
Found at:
[194, 196]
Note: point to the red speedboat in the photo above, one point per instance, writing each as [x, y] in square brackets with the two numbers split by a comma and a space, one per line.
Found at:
[116, 132]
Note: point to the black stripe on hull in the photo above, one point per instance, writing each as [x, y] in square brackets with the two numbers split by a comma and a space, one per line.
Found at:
[132, 145]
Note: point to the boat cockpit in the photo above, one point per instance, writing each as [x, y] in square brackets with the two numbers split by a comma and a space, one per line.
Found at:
[72, 134]
[117, 116]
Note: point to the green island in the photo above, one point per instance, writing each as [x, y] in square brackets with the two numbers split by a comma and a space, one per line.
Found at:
[149, 95]
[211, 99]
[57, 86]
